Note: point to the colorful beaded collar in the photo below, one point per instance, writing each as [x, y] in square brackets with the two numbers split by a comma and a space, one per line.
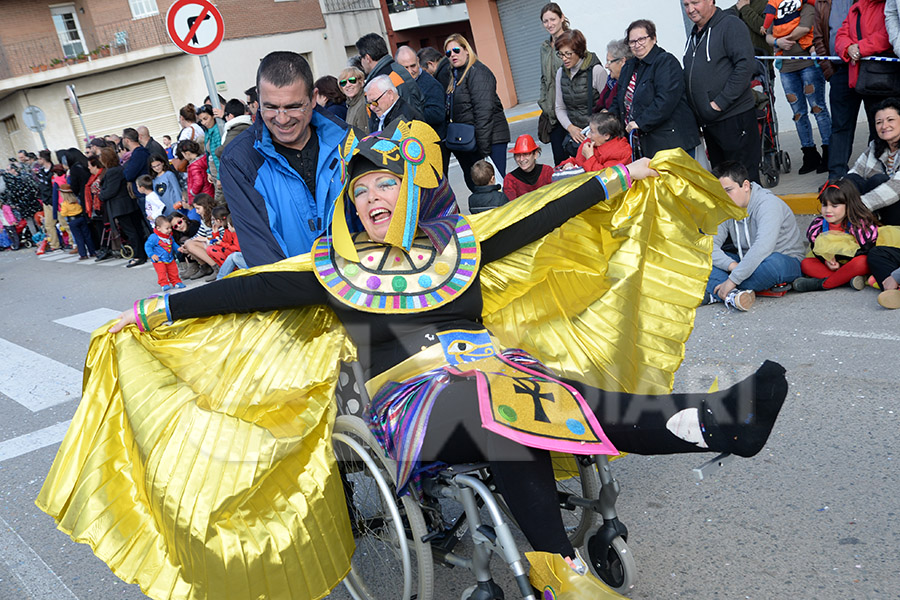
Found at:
[389, 280]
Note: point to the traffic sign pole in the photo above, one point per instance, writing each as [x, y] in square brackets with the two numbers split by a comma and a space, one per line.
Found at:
[210, 82]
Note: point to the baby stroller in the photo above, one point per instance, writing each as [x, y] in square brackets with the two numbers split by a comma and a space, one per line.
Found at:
[113, 243]
[774, 160]
[25, 240]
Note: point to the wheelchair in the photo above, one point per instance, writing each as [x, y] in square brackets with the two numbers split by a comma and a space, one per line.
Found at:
[400, 539]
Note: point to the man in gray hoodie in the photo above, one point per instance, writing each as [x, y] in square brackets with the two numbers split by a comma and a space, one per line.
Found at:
[768, 243]
[718, 66]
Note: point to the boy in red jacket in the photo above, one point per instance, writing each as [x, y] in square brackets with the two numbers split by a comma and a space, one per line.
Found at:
[604, 147]
[530, 175]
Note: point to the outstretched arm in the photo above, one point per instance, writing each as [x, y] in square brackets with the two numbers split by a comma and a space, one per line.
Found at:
[554, 214]
[250, 293]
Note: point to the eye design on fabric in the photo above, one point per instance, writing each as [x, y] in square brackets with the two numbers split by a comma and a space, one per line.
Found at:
[470, 351]
[462, 346]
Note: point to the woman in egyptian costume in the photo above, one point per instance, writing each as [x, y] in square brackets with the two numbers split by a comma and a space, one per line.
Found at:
[198, 464]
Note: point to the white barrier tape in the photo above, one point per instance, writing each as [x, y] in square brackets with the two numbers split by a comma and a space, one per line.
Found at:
[834, 58]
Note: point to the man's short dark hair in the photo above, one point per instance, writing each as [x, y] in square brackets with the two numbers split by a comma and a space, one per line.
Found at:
[130, 134]
[235, 108]
[373, 45]
[733, 170]
[251, 93]
[427, 55]
[282, 69]
[45, 155]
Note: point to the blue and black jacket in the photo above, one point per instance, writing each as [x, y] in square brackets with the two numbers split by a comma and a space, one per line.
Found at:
[273, 211]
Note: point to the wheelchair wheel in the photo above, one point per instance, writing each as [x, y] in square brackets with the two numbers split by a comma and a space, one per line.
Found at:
[391, 562]
[576, 476]
[617, 568]
[127, 252]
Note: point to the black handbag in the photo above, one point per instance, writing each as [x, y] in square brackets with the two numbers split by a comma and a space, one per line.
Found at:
[877, 78]
[544, 128]
[460, 136]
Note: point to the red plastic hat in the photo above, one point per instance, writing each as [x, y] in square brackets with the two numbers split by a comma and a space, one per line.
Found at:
[524, 145]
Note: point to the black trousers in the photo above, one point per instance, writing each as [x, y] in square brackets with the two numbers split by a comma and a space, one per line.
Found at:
[634, 423]
[735, 138]
[132, 227]
[883, 260]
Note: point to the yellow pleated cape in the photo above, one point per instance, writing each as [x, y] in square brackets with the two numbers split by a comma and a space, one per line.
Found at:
[198, 465]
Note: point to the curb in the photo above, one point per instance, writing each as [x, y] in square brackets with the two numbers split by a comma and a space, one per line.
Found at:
[524, 116]
[803, 204]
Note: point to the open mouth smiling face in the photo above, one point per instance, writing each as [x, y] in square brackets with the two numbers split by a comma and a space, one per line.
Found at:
[375, 197]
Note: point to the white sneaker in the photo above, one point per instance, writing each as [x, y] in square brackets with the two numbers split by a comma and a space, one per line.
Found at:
[740, 300]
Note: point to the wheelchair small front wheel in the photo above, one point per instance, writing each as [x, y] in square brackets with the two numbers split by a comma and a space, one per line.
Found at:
[127, 252]
[612, 563]
[391, 562]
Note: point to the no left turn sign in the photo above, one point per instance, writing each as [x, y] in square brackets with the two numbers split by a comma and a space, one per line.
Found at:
[195, 26]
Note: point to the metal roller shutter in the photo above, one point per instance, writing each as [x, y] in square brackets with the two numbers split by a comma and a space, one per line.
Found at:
[147, 103]
[523, 34]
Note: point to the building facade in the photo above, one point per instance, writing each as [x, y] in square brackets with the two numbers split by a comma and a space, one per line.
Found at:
[126, 71]
[507, 34]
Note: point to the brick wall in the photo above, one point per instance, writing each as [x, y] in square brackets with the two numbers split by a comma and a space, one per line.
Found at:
[28, 37]
[245, 18]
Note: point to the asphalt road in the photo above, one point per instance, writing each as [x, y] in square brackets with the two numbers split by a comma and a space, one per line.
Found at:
[814, 516]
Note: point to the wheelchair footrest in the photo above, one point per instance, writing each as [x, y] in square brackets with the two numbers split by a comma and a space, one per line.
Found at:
[712, 465]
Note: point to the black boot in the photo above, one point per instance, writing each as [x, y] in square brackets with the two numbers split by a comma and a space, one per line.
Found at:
[811, 160]
[740, 420]
[808, 284]
[823, 163]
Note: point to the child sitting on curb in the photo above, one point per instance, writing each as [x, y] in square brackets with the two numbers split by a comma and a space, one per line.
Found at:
[530, 175]
[225, 243]
[160, 247]
[840, 239]
[486, 194]
[604, 147]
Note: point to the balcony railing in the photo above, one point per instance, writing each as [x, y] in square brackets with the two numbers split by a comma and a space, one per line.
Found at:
[402, 5]
[43, 53]
[337, 6]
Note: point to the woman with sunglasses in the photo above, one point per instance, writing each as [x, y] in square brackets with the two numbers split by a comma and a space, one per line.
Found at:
[351, 81]
[329, 96]
[651, 99]
[579, 82]
[549, 129]
[472, 98]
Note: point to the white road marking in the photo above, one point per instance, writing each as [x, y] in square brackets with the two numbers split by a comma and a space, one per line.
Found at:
[60, 254]
[863, 336]
[113, 262]
[35, 381]
[71, 259]
[34, 575]
[89, 321]
[35, 440]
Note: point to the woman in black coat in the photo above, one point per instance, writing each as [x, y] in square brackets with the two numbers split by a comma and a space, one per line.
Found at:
[76, 162]
[658, 116]
[119, 205]
[472, 98]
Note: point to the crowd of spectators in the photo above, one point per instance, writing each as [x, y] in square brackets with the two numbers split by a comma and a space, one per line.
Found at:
[271, 159]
